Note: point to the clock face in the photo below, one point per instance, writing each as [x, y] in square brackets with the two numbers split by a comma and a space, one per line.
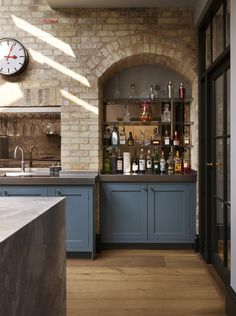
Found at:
[13, 57]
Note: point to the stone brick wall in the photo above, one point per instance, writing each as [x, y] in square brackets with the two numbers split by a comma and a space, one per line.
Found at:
[72, 52]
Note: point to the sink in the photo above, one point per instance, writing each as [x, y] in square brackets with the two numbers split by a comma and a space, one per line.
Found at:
[19, 174]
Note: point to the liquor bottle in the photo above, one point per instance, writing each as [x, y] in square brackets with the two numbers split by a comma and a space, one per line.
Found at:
[166, 115]
[107, 167]
[114, 137]
[186, 162]
[176, 141]
[113, 161]
[166, 138]
[170, 162]
[156, 138]
[186, 138]
[181, 91]
[107, 137]
[130, 140]
[156, 162]
[170, 90]
[149, 162]
[178, 163]
[135, 164]
[162, 163]
[141, 162]
[122, 137]
[119, 162]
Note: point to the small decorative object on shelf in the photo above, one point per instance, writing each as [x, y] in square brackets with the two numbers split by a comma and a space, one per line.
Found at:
[170, 90]
[132, 93]
[151, 93]
[146, 113]
[166, 117]
[181, 92]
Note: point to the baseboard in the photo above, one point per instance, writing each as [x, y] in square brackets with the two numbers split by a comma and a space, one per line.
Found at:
[78, 255]
[98, 243]
[158, 246]
[230, 301]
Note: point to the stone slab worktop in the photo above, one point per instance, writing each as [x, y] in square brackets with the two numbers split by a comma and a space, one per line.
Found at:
[32, 256]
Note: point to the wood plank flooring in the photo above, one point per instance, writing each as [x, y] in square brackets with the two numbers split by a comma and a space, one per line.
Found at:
[142, 283]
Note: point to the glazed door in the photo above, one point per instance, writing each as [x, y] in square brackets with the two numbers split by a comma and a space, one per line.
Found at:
[219, 170]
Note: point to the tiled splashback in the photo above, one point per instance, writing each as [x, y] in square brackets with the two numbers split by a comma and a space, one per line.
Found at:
[28, 129]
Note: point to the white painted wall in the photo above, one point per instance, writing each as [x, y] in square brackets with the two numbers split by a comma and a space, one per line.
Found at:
[233, 144]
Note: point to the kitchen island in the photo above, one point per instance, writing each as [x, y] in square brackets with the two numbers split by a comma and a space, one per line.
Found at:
[33, 257]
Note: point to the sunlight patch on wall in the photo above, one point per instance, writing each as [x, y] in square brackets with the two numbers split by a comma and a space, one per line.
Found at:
[78, 101]
[10, 93]
[44, 36]
[40, 58]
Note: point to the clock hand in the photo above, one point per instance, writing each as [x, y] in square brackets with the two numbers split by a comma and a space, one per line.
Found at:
[9, 52]
[14, 57]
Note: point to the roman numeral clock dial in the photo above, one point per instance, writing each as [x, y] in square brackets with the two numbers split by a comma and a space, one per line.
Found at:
[13, 57]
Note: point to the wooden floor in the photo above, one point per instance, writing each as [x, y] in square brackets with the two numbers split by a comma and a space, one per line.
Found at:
[142, 283]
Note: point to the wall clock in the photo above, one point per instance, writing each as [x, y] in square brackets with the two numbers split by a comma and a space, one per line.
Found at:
[13, 57]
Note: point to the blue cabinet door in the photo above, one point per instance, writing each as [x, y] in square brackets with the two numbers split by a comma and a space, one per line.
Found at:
[24, 191]
[79, 217]
[171, 213]
[124, 212]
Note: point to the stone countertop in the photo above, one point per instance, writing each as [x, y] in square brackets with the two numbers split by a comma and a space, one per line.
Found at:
[17, 212]
[181, 178]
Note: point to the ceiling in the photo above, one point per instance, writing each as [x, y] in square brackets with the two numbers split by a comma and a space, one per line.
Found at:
[121, 3]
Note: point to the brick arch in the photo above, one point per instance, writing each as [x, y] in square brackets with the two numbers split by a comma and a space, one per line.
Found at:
[138, 49]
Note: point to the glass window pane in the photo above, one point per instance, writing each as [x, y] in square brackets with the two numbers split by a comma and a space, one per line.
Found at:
[228, 23]
[218, 32]
[228, 168]
[228, 234]
[228, 101]
[219, 170]
[208, 46]
[219, 89]
[219, 230]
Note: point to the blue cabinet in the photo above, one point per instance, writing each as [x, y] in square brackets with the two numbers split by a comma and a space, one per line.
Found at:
[124, 216]
[80, 218]
[23, 191]
[171, 213]
[148, 213]
[80, 233]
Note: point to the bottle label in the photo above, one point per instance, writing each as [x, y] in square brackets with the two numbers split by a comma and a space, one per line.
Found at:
[119, 165]
[162, 165]
[122, 140]
[167, 141]
[142, 165]
[176, 142]
[156, 142]
[134, 167]
[149, 164]
[186, 141]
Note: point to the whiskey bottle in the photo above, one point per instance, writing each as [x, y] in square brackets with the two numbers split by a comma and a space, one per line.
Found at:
[178, 163]
[130, 140]
[107, 167]
[162, 163]
[170, 163]
[156, 138]
[113, 161]
[141, 162]
[166, 138]
[114, 137]
[186, 138]
[176, 141]
[149, 162]
[122, 137]
[156, 162]
[119, 162]
[135, 164]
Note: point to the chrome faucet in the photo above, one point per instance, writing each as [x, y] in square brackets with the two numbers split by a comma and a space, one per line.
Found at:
[32, 148]
[22, 157]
